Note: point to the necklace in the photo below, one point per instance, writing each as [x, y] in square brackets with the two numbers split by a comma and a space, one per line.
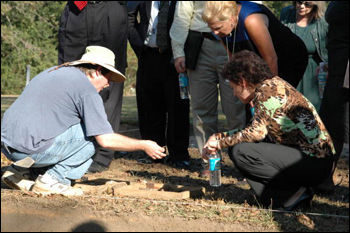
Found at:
[229, 54]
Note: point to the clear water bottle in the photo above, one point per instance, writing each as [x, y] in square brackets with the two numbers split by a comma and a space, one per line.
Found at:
[215, 169]
[322, 79]
[183, 82]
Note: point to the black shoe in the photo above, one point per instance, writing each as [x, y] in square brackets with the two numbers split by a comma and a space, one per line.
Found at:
[304, 201]
[150, 161]
[96, 167]
[182, 164]
[323, 191]
[328, 186]
[121, 154]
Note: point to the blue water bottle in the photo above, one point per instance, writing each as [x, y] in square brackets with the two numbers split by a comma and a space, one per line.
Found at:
[183, 83]
[215, 169]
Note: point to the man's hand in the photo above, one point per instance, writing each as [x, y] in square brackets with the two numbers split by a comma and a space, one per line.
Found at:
[153, 150]
[180, 64]
[118, 142]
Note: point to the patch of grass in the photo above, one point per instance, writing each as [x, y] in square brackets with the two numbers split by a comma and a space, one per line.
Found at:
[129, 111]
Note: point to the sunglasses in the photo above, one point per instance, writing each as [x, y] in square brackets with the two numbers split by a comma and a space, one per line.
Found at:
[306, 4]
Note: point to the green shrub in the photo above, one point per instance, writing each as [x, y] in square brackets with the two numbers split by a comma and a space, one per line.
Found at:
[29, 32]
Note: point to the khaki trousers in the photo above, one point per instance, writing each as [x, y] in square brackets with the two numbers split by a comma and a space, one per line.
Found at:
[205, 84]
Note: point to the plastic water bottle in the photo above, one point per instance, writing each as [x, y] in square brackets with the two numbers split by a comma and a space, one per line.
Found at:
[183, 82]
[215, 169]
[322, 79]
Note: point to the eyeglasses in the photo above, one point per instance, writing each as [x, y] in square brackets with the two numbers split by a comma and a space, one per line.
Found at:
[306, 4]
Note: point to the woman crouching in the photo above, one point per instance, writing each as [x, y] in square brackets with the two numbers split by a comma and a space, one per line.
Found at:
[285, 149]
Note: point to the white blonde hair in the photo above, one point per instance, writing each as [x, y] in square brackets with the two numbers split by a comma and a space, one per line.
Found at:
[219, 10]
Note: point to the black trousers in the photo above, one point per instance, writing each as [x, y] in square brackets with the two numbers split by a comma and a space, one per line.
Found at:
[276, 172]
[334, 113]
[334, 110]
[163, 115]
[104, 24]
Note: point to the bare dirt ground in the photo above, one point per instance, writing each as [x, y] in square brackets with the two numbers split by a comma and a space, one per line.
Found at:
[231, 207]
[76, 215]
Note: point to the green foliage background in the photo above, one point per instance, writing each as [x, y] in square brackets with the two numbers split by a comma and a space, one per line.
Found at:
[29, 36]
[29, 32]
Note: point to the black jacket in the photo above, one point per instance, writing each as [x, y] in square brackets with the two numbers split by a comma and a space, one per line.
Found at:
[138, 26]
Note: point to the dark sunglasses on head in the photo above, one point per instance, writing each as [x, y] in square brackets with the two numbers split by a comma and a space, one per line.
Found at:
[306, 4]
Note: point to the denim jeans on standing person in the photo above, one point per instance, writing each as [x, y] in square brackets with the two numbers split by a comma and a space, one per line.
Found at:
[68, 158]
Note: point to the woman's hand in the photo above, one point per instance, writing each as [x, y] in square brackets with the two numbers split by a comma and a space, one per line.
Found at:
[210, 147]
[325, 68]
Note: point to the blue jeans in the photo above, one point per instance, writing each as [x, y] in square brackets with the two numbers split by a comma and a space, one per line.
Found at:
[68, 158]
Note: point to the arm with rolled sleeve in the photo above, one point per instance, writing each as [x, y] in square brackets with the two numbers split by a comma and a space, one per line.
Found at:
[180, 27]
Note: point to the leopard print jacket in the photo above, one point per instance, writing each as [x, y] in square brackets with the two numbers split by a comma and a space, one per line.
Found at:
[286, 117]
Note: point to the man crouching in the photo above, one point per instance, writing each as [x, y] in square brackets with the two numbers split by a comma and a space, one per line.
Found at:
[58, 122]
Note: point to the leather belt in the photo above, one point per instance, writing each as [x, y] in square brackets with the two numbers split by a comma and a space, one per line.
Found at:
[167, 51]
[209, 36]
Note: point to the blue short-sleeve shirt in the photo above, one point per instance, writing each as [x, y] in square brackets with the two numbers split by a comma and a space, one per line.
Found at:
[52, 102]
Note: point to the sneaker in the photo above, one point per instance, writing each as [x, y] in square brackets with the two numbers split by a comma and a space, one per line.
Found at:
[18, 178]
[45, 185]
[96, 167]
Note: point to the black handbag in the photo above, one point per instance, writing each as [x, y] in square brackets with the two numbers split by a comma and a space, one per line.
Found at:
[192, 49]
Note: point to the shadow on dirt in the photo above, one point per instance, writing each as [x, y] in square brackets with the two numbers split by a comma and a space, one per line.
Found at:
[91, 226]
[195, 164]
[228, 192]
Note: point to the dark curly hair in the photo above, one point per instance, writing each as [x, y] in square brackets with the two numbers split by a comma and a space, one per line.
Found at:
[248, 66]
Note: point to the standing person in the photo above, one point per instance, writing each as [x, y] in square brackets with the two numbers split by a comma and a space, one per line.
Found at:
[253, 27]
[300, 154]
[103, 23]
[163, 115]
[305, 19]
[335, 105]
[205, 81]
[57, 122]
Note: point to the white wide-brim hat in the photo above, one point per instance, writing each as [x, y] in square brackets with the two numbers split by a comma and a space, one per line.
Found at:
[98, 55]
